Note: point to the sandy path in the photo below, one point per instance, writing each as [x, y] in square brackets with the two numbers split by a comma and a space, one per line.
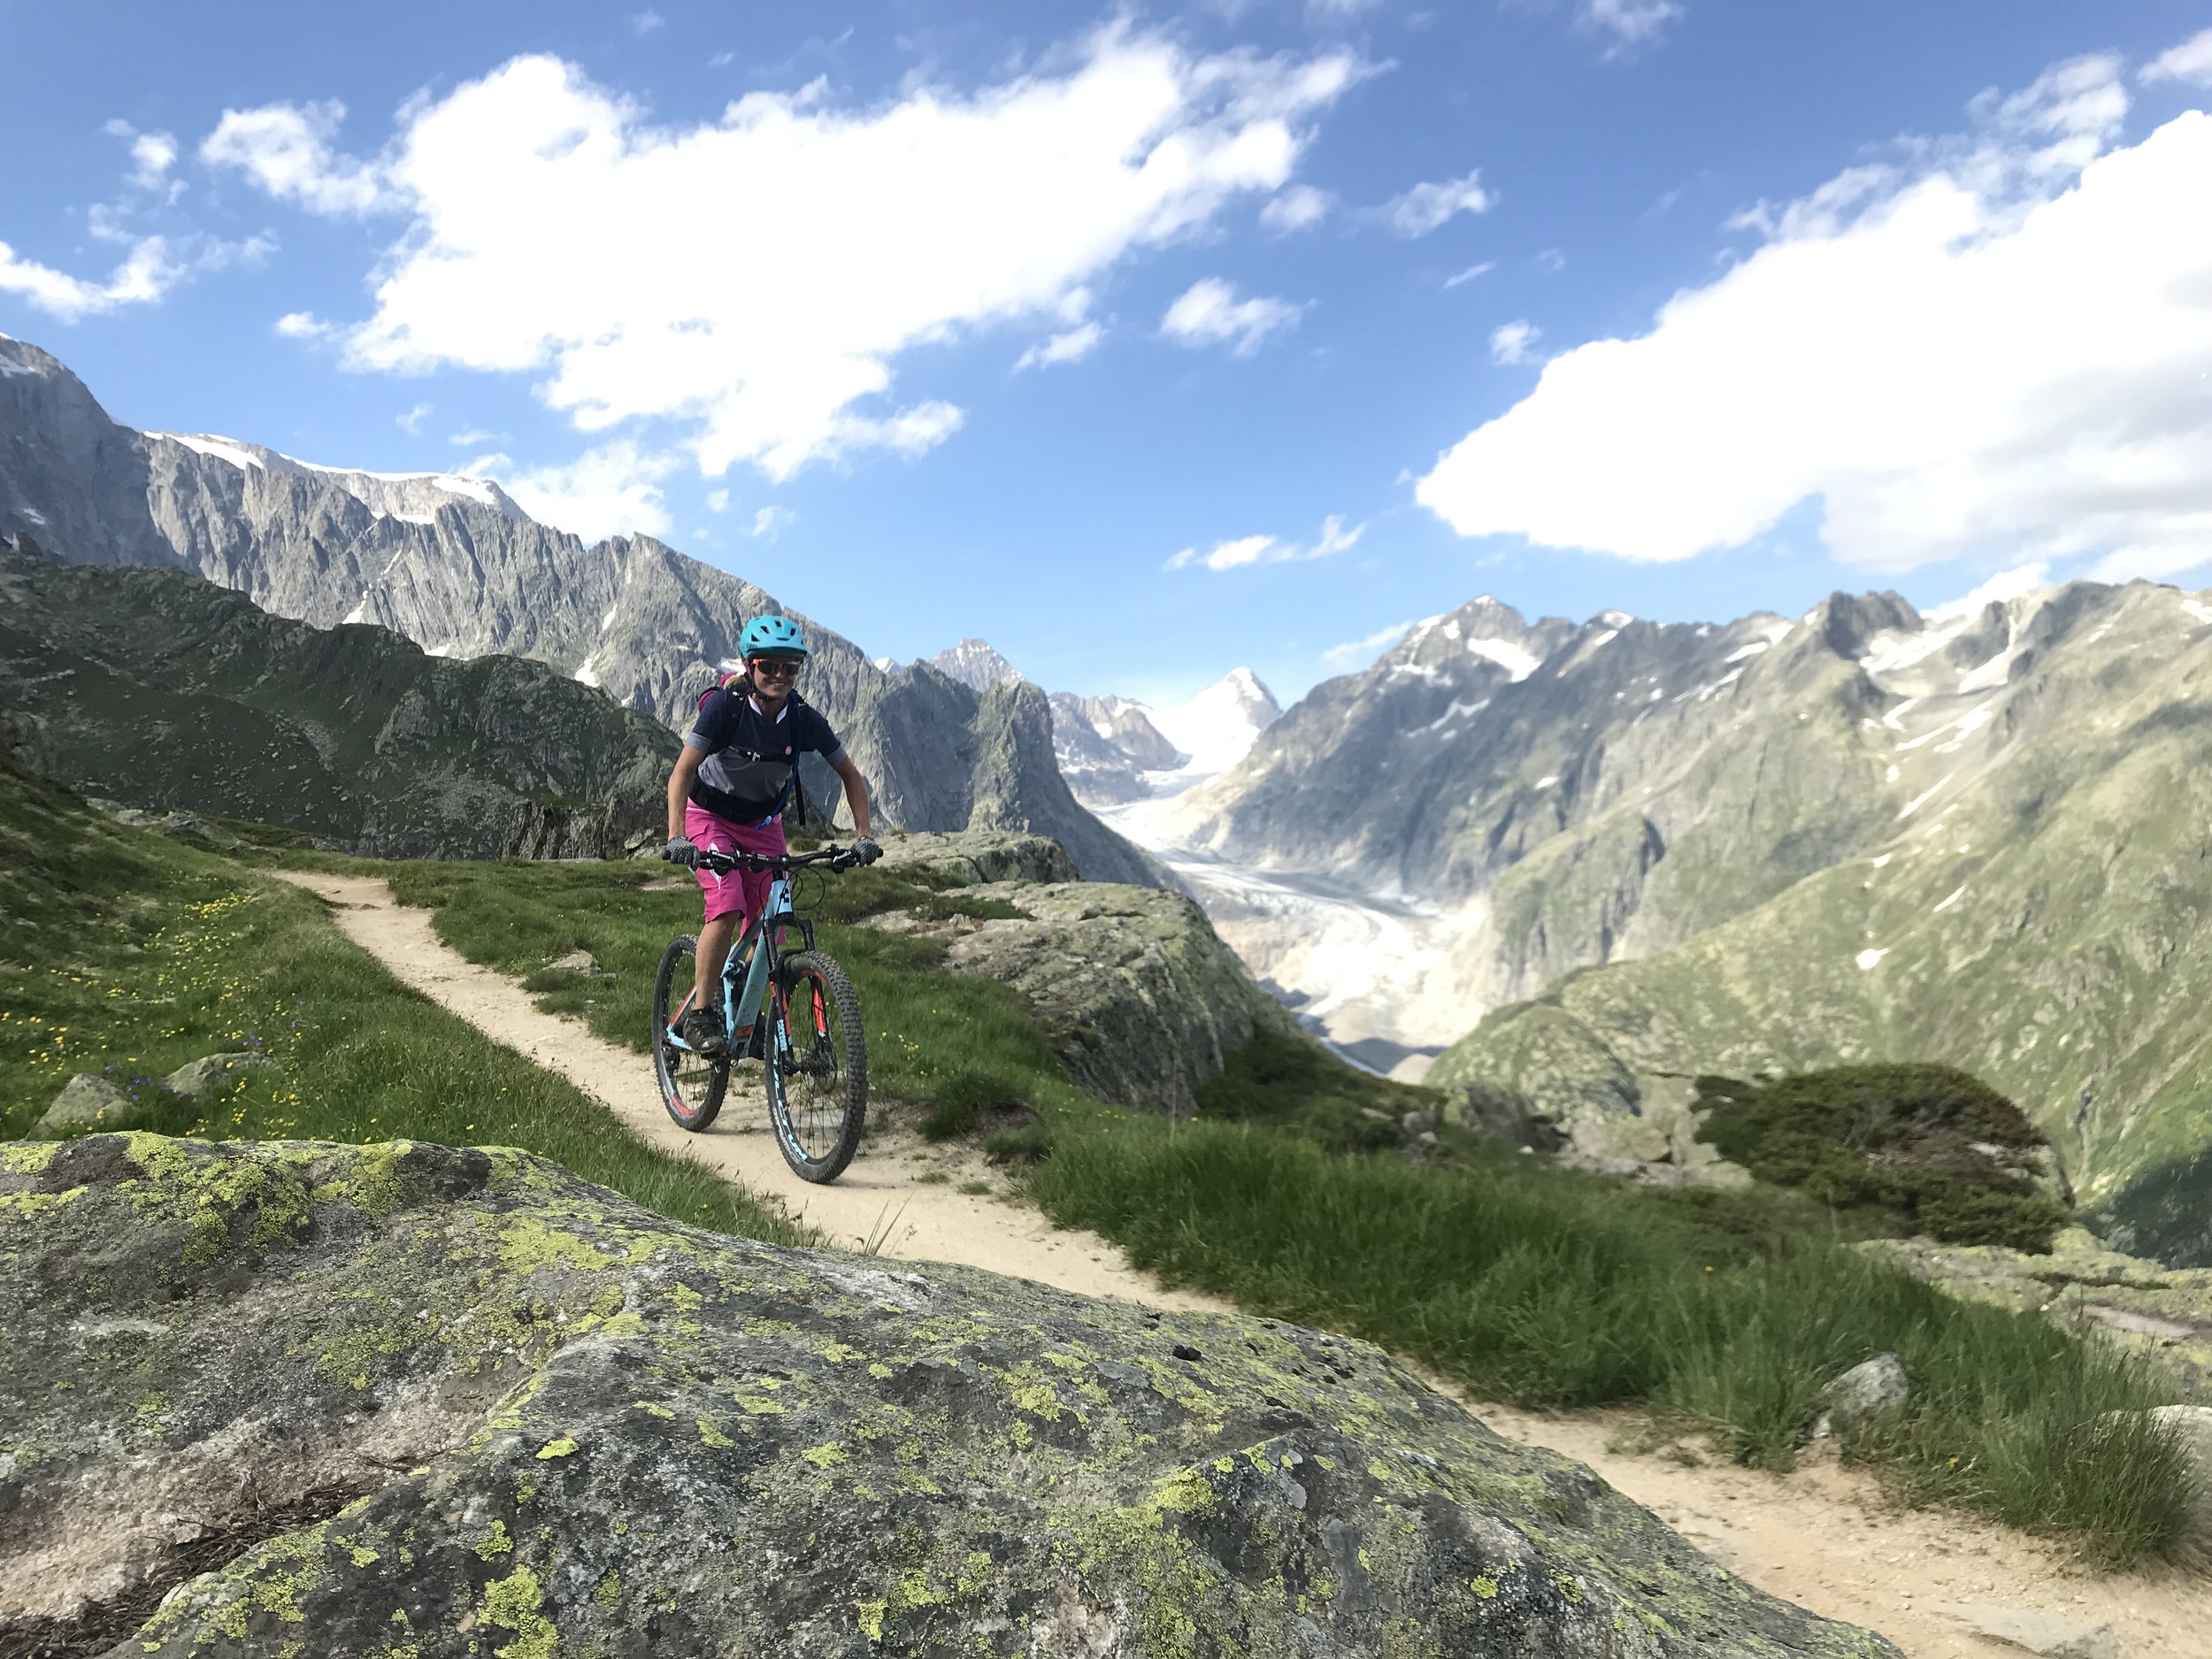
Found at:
[1823, 1537]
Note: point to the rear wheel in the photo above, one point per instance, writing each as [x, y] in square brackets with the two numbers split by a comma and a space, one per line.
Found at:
[692, 1085]
[818, 1067]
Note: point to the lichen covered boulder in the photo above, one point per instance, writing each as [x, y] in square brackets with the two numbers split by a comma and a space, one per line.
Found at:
[968, 857]
[404, 1400]
[1143, 1002]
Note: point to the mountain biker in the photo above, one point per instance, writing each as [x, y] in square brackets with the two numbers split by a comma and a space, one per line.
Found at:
[738, 768]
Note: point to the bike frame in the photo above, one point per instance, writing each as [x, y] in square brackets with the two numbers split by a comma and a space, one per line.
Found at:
[742, 1003]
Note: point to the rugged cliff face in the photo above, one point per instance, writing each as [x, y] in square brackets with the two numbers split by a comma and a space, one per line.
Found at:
[456, 567]
[486, 1407]
[156, 688]
[2012, 875]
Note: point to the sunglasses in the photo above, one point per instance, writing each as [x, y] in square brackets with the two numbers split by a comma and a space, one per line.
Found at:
[776, 667]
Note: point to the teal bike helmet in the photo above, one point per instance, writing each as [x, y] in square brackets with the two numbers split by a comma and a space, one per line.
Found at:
[771, 636]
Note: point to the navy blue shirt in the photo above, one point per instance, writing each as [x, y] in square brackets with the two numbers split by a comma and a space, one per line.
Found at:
[752, 759]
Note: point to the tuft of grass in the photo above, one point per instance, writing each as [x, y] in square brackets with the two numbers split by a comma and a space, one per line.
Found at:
[1290, 1083]
[1925, 1148]
[1023, 1148]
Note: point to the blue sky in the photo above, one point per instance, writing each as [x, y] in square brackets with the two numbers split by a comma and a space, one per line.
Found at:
[1132, 339]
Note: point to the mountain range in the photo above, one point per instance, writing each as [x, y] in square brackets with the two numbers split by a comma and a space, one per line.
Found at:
[454, 565]
[1626, 852]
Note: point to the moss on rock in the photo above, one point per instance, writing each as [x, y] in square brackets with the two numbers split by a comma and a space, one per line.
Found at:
[620, 1434]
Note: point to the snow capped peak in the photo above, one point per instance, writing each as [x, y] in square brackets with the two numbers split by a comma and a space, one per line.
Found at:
[1216, 726]
[412, 496]
[2001, 588]
[975, 665]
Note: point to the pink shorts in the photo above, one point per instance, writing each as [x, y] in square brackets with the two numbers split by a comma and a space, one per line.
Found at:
[742, 892]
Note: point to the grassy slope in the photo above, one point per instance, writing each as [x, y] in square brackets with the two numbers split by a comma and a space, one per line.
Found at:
[124, 953]
[1534, 1284]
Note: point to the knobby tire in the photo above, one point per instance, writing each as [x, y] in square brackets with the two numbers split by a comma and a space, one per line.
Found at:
[818, 1110]
[691, 1085]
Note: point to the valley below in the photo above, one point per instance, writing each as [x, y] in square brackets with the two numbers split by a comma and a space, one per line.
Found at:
[1380, 977]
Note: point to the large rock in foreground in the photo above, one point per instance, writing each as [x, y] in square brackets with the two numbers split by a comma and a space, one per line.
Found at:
[467, 1403]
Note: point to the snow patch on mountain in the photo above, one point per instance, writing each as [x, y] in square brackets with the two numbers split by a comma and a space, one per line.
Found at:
[975, 665]
[218, 448]
[1219, 727]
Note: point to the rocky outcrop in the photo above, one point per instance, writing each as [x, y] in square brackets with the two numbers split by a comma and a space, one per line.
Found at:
[456, 567]
[1104, 747]
[165, 691]
[1143, 1003]
[404, 1399]
[974, 857]
[2084, 1285]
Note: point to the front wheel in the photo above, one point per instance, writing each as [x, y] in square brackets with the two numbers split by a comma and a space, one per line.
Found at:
[692, 1085]
[818, 1067]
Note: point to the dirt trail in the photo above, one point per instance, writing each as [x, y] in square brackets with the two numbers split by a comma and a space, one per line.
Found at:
[880, 1196]
[1823, 1537]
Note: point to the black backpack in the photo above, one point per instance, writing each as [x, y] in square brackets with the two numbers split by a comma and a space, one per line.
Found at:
[795, 792]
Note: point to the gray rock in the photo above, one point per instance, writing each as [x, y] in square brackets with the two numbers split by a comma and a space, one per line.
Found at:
[190, 826]
[2052, 1635]
[500, 1410]
[577, 962]
[211, 1077]
[970, 858]
[1419, 1121]
[1144, 1004]
[89, 1100]
[1867, 1390]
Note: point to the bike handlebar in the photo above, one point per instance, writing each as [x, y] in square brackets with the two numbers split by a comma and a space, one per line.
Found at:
[722, 864]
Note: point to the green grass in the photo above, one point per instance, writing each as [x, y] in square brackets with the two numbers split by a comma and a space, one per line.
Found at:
[1520, 1280]
[1547, 1287]
[1927, 1149]
[125, 953]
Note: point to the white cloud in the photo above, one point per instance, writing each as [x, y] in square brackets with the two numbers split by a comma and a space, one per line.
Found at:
[1995, 348]
[1428, 207]
[1482, 268]
[798, 247]
[1210, 313]
[153, 155]
[306, 326]
[1267, 549]
[717, 501]
[1630, 22]
[1072, 346]
[1298, 207]
[152, 263]
[2189, 61]
[145, 275]
[1353, 651]
[411, 422]
[1514, 342]
[721, 60]
[643, 23]
[612, 490]
[287, 151]
[476, 434]
[769, 522]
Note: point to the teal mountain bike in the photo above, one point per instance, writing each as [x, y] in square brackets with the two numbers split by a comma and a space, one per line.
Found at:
[800, 1014]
